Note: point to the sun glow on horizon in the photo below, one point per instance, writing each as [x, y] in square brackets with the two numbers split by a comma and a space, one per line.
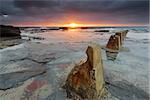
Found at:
[73, 25]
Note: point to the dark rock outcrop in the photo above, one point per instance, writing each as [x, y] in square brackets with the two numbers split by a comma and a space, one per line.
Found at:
[101, 31]
[9, 31]
[86, 80]
[10, 36]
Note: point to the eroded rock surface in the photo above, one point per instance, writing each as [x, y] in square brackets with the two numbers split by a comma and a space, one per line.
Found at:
[16, 78]
[86, 80]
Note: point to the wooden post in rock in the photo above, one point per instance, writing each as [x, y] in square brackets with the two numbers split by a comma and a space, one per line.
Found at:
[122, 35]
[86, 81]
[113, 46]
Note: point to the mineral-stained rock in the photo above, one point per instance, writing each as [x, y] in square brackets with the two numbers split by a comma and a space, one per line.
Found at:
[16, 78]
[9, 31]
[86, 80]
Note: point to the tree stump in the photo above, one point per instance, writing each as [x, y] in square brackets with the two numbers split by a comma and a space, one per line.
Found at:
[86, 80]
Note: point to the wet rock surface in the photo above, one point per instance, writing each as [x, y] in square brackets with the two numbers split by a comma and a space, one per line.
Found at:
[126, 91]
[23, 63]
[9, 42]
[126, 78]
[15, 79]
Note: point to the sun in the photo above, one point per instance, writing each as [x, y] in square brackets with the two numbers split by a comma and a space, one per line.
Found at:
[73, 25]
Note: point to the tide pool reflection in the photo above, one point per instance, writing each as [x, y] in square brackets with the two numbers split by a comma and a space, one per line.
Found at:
[70, 35]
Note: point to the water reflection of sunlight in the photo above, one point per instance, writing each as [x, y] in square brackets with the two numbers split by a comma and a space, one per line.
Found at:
[71, 35]
[73, 29]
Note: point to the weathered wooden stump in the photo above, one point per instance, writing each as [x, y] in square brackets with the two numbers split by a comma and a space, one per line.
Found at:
[115, 44]
[122, 35]
[113, 47]
[86, 81]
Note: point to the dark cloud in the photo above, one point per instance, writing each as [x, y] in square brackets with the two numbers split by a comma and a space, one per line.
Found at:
[92, 11]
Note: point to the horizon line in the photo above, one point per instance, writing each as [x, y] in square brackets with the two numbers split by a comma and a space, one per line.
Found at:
[77, 26]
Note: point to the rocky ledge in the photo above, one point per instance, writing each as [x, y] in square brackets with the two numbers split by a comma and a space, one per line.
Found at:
[10, 36]
[9, 31]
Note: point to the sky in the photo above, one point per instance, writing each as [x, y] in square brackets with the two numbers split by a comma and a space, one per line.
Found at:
[82, 12]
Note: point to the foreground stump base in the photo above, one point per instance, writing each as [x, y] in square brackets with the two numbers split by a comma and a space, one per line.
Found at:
[86, 80]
